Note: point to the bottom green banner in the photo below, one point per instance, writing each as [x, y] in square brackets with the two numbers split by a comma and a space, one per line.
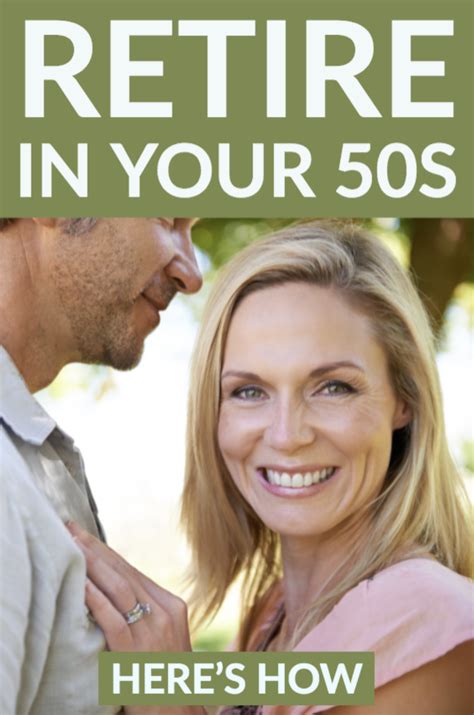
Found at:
[329, 678]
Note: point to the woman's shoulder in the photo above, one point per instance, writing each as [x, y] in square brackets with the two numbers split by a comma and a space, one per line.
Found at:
[417, 583]
[423, 598]
[417, 591]
[408, 614]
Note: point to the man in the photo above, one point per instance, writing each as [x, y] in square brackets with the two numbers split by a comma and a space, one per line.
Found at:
[71, 290]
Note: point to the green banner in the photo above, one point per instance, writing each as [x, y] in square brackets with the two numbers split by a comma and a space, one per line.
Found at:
[242, 108]
[236, 678]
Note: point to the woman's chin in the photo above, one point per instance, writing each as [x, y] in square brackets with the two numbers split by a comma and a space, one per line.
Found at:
[293, 524]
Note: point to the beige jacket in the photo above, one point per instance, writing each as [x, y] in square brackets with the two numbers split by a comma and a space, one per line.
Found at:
[48, 647]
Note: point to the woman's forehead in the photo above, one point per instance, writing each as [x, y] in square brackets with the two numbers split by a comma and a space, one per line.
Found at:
[293, 306]
[292, 320]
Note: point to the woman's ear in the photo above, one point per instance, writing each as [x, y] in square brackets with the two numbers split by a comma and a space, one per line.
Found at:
[402, 415]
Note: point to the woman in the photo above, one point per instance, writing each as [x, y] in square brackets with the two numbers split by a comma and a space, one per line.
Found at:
[318, 471]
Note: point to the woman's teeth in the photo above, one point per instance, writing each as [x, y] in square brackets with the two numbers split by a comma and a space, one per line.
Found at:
[299, 480]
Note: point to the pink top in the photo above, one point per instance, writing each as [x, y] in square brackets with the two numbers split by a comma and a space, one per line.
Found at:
[408, 614]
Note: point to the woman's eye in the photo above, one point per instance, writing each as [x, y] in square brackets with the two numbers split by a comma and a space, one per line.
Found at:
[336, 387]
[248, 393]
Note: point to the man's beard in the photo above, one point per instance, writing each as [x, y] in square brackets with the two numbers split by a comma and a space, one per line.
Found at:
[123, 355]
[108, 340]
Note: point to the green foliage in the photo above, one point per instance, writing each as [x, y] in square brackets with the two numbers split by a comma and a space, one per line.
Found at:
[220, 239]
[213, 638]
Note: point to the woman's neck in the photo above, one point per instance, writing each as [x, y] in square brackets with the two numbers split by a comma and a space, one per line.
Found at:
[312, 566]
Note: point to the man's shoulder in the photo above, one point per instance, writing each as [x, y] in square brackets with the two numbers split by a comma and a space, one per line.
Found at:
[15, 473]
[19, 493]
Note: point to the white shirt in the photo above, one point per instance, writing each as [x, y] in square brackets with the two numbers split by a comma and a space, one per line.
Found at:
[48, 646]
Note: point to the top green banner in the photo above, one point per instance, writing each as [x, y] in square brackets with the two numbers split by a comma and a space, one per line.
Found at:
[249, 109]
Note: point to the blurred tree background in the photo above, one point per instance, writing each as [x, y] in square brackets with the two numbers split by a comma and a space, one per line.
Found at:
[438, 251]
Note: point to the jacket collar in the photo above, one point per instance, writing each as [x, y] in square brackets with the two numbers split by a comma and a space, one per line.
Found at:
[18, 408]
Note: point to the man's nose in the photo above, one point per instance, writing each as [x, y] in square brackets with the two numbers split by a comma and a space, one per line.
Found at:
[183, 269]
[289, 429]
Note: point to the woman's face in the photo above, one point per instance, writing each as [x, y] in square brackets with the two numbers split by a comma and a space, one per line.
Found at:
[307, 411]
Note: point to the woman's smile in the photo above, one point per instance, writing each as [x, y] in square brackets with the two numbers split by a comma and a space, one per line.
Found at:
[295, 483]
[307, 408]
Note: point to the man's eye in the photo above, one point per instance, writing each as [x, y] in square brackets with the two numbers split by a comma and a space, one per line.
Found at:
[248, 393]
[336, 387]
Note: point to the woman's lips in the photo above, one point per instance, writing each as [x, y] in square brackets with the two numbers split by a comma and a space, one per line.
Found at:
[303, 482]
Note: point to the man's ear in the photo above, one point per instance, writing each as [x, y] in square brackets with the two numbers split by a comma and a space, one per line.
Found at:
[46, 222]
[402, 415]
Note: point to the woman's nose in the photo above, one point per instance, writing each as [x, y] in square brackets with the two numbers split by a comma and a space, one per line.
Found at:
[289, 428]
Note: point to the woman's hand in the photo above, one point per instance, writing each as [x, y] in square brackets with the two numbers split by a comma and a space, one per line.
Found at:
[113, 589]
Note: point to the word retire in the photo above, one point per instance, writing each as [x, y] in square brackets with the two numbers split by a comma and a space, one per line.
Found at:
[217, 33]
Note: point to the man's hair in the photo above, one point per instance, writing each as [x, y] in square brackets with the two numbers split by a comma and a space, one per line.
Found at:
[72, 226]
[419, 509]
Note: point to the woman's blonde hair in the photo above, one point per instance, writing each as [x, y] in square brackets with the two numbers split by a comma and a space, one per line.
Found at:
[422, 505]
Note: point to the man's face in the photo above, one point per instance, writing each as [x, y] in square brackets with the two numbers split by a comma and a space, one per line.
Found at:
[113, 280]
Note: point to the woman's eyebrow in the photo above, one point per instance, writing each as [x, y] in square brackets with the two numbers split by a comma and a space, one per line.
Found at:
[321, 370]
[329, 367]
[240, 373]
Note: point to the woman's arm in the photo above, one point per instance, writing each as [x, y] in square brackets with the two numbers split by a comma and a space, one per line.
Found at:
[442, 687]
[113, 588]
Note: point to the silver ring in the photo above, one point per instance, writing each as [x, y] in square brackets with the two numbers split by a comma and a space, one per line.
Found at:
[136, 613]
[146, 608]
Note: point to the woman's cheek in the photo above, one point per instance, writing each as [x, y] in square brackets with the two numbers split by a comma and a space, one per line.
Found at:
[355, 427]
[238, 431]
